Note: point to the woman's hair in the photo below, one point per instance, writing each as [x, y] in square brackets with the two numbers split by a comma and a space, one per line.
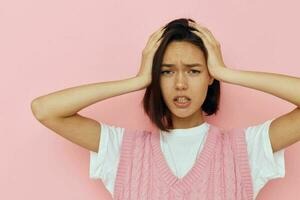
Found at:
[153, 102]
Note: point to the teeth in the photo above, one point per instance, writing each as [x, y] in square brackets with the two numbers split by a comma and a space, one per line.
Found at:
[182, 99]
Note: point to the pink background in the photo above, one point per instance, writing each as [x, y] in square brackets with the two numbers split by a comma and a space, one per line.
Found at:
[51, 45]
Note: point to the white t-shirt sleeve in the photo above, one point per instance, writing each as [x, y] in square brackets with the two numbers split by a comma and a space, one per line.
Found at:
[104, 163]
[265, 165]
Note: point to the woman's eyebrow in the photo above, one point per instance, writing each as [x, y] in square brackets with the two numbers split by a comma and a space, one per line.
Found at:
[187, 65]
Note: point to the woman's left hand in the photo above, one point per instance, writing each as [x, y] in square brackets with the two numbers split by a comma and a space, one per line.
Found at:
[215, 63]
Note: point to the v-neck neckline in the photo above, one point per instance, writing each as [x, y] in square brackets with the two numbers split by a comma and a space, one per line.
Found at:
[194, 173]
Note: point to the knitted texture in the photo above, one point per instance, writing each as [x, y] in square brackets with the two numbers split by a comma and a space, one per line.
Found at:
[220, 172]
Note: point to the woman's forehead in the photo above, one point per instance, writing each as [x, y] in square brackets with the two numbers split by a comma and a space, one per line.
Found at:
[184, 55]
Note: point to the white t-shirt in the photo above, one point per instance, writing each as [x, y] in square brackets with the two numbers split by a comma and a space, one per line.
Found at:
[264, 164]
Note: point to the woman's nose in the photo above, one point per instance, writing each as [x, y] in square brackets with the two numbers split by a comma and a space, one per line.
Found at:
[180, 81]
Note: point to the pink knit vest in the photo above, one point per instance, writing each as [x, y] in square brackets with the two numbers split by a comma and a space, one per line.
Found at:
[220, 172]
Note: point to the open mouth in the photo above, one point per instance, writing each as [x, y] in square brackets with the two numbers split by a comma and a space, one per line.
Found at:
[182, 102]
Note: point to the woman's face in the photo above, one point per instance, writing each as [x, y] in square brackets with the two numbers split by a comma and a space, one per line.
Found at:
[181, 80]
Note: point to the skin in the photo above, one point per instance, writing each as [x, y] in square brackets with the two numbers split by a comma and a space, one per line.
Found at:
[284, 130]
[182, 80]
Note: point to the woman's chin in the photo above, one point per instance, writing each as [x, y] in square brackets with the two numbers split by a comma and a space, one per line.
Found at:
[181, 113]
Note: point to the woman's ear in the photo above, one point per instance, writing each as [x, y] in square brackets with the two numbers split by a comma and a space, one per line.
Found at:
[211, 80]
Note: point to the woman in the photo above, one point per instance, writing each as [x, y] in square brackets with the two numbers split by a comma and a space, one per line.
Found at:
[181, 68]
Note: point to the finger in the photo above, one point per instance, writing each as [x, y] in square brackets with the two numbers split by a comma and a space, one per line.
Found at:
[156, 37]
[200, 27]
[158, 34]
[205, 31]
[153, 37]
[202, 36]
[159, 31]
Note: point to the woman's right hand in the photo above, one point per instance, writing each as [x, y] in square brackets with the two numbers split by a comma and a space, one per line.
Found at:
[148, 54]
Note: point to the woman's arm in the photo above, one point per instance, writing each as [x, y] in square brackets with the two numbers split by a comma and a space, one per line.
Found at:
[58, 111]
[284, 130]
[68, 102]
[282, 86]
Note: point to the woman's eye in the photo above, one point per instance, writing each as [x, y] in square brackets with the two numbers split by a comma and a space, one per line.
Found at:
[163, 72]
[194, 71]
